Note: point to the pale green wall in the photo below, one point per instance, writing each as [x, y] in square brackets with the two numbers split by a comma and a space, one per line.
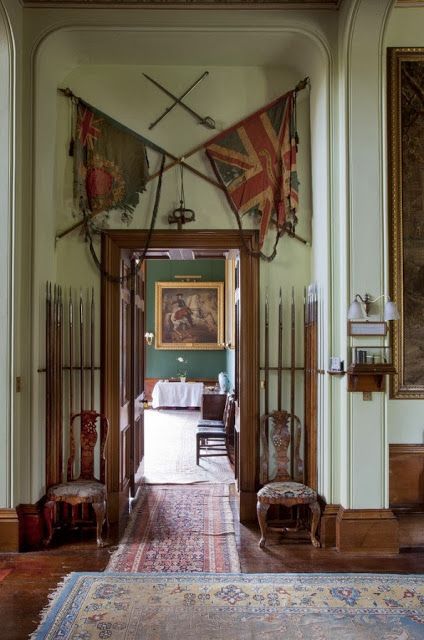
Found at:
[361, 258]
[98, 60]
[103, 63]
[123, 93]
[345, 164]
[7, 217]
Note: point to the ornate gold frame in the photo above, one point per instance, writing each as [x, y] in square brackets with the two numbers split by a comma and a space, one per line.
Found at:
[399, 386]
[161, 287]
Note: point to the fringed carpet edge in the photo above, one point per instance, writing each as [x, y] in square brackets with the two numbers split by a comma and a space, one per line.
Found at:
[169, 606]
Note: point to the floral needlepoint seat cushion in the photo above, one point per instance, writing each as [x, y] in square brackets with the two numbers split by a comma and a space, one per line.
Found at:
[78, 490]
[276, 491]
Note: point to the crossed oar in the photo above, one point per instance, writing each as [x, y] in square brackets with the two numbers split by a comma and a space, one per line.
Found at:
[206, 121]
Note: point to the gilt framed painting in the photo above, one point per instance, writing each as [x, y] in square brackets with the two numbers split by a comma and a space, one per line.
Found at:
[406, 216]
[189, 315]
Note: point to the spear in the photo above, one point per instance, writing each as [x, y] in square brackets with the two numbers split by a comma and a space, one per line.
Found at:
[71, 353]
[266, 404]
[280, 351]
[292, 381]
[81, 331]
[306, 379]
[48, 379]
[59, 363]
[92, 349]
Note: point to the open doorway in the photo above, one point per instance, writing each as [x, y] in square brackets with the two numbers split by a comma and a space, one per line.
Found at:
[189, 315]
[120, 451]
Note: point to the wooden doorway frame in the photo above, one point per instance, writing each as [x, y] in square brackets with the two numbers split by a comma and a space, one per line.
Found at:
[113, 242]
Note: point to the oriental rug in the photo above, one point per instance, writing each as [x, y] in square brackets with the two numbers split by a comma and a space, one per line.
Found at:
[235, 607]
[170, 451]
[178, 528]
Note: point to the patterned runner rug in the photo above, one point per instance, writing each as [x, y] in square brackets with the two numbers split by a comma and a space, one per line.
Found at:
[179, 528]
[236, 607]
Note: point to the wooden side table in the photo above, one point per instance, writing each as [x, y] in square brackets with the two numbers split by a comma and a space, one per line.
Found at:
[213, 405]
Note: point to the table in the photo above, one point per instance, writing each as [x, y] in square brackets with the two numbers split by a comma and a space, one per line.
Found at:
[177, 394]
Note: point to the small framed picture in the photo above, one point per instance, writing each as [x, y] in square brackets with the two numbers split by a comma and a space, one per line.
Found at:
[366, 328]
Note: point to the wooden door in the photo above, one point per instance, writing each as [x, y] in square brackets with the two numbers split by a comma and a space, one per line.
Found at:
[131, 424]
[113, 242]
[137, 352]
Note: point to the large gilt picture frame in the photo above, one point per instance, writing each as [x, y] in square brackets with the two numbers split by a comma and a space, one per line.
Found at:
[406, 216]
[189, 315]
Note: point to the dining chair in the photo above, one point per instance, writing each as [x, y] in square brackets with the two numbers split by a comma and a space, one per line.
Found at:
[214, 437]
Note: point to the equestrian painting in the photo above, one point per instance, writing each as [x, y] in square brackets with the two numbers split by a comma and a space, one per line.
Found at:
[189, 315]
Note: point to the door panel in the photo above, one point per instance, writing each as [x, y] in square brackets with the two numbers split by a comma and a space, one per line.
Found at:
[131, 374]
[138, 369]
[125, 380]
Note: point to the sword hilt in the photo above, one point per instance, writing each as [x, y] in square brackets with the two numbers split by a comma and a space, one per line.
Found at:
[208, 122]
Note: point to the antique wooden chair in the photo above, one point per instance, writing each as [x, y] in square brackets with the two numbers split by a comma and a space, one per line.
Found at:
[283, 490]
[85, 489]
[214, 437]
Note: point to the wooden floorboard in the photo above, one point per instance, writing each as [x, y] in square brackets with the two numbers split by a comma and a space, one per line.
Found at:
[24, 592]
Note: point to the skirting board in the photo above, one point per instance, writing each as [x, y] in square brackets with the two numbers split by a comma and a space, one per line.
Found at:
[411, 529]
[367, 531]
[9, 530]
[247, 506]
[327, 534]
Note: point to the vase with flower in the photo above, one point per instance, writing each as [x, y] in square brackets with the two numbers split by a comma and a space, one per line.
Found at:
[182, 368]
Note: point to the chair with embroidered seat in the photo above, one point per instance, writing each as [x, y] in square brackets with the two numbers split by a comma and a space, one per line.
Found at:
[86, 488]
[283, 490]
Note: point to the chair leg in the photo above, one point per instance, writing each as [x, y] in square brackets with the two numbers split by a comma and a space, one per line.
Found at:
[100, 511]
[48, 511]
[262, 510]
[197, 449]
[316, 514]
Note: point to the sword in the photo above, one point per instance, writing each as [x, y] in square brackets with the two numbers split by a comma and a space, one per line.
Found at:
[207, 121]
[174, 104]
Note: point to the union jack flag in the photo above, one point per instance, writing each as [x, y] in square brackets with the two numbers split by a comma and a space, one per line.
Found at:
[255, 160]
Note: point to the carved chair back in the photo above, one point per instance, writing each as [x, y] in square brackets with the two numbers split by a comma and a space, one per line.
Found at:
[92, 425]
[275, 430]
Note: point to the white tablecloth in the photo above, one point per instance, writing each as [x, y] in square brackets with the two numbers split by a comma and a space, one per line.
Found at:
[177, 394]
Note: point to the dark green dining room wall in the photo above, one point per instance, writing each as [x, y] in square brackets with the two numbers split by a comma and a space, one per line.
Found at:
[163, 363]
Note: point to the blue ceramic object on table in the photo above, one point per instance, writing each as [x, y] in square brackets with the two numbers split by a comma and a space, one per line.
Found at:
[224, 382]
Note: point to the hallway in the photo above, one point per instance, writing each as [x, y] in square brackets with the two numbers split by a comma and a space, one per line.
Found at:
[26, 579]
[170, 451]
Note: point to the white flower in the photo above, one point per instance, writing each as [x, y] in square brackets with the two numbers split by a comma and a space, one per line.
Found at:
[182, 367]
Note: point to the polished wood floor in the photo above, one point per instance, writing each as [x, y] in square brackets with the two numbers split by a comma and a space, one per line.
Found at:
[24, 590]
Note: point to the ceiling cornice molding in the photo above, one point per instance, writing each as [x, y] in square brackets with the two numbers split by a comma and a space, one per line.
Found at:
[182, 4]
[409, 3]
